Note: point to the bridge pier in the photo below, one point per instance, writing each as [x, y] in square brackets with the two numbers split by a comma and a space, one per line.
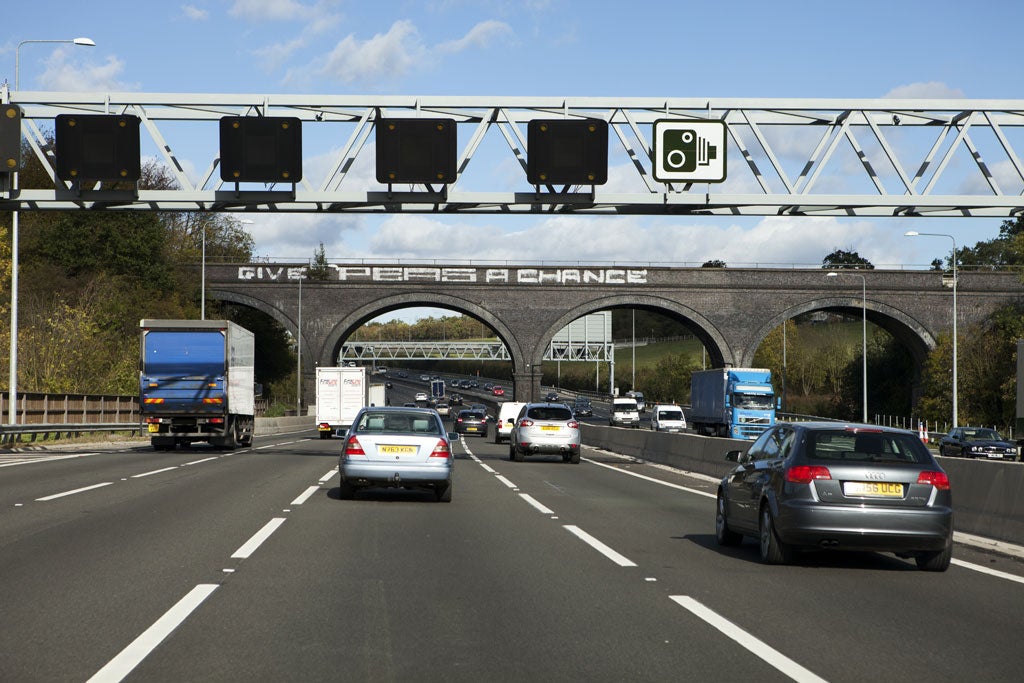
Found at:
[527, 384]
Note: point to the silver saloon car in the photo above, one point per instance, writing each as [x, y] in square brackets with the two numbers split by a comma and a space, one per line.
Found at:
[397, 447]
[834, 486]
[545, 428]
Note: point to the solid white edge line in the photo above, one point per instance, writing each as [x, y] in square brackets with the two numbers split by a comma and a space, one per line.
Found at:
[130, 657]
[754, 645]
[250, 546]
[146, 474]
[986, 570]
[71, 493]
[600, 547]
[505, 481]
[652, 479]
[328, 475]
[304, 496]
[537, 504]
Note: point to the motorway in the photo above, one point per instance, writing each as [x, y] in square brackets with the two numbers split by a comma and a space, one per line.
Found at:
[124, 563]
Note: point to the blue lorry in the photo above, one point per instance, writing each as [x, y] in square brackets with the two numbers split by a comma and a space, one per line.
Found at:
[735, 402]
[197, 383]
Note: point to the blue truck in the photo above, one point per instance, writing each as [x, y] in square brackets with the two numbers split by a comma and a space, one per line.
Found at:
[197, 383]
[734, 402]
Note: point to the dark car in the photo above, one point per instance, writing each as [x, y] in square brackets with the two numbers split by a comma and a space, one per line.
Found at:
[471, 422]
[977, 442]
[582, 408]
[551, 397]
[817, 485]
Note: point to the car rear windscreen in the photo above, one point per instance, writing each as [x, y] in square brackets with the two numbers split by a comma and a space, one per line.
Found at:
[856, 445]
[549, 413]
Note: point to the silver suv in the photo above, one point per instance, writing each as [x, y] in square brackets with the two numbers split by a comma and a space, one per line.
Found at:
[545, 428]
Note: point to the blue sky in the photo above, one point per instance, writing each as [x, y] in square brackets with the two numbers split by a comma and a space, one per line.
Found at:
[641, 48]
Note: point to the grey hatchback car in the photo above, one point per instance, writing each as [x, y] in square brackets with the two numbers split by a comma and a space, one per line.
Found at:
[545, 428]
[397, 447]
[835, 486]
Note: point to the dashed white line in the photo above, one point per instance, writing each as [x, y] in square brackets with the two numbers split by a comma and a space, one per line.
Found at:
[987, 570]
[146, 474]
[600, 547]
[327, 476]
[304, 496]
[537, 504]
[71, 493]
[506, 482]
[250, 546]
[757, 647]
[130, 657]
[652, 479]
[196, 462]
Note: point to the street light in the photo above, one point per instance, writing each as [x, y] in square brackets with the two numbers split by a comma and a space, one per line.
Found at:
[13, 373]
[864, 334]
[914, 233]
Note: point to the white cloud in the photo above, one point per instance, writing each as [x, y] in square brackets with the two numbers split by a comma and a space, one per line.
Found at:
[484, 34]
[929, 90]
[65, 72]
[194, 13]
[383, 57]
[271, 10]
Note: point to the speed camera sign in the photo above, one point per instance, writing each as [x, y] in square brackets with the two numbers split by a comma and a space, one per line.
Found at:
[689, 151]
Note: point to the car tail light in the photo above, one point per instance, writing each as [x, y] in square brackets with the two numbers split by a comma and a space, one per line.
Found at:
[440, 450]
[353, 447]
[937, 479]
[805, 474]
[525, 423]
[573, 424]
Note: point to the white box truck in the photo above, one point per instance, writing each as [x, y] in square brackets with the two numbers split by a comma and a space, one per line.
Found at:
[340, 393]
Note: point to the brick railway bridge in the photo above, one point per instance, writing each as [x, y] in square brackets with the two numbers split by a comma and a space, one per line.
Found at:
[730, 310]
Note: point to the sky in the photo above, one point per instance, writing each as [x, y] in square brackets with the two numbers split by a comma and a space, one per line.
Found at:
[643, 48]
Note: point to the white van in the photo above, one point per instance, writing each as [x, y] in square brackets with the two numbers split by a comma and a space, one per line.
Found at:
[668, 418]
[507, 414]
[623, 413]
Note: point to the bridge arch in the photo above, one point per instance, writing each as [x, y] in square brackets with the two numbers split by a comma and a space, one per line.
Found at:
[358, 317]
[285, 320]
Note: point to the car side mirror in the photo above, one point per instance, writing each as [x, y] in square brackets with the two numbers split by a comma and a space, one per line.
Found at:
[453, 436]
[738, 457]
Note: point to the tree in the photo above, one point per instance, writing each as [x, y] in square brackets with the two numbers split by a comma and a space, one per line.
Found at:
[319, 269]
[1005, 250]
[845, 259]
[714, 263]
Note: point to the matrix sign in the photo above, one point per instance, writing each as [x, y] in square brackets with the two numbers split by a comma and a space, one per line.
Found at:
[689, 151]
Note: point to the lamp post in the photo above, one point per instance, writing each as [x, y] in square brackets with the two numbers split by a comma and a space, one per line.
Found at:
[13, 388]
[914, 233]
[864, 335]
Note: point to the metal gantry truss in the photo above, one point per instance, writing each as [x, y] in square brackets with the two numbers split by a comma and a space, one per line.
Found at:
[466, 350]
[877, 157]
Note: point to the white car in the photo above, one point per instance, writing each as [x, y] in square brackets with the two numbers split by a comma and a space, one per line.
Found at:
[668, 418]
[545, 428]
[422, 396]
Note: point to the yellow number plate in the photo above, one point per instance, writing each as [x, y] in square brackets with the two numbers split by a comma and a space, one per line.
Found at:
[397, 450]
[550, 428]
[877, 489]
[153, 427]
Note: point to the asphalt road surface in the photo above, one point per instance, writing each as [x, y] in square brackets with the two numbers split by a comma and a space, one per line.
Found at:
[125, 563]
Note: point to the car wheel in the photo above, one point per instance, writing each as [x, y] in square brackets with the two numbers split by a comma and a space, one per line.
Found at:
[773, 551]
[575, 458]
[517, 454]
[937, 561]
[346, 490]
[444, 492]
[723, 534]
[511, 452]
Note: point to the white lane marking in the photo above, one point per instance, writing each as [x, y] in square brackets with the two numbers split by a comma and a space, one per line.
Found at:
[304, 496]
[327, 476]
[758, 647]
[146, 474]
[250, 546]
[21, 459]
[537, 504]
[487, 468]
[506, 482]
[652, 479]
[196, 462]
[140, 648]
[71, 493]
[986, 570]
[600, 547]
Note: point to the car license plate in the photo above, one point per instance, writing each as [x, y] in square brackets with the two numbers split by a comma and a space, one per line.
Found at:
[472, 429]
[873, 489]
[550, 428]
[154, 427]
[396, 450]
